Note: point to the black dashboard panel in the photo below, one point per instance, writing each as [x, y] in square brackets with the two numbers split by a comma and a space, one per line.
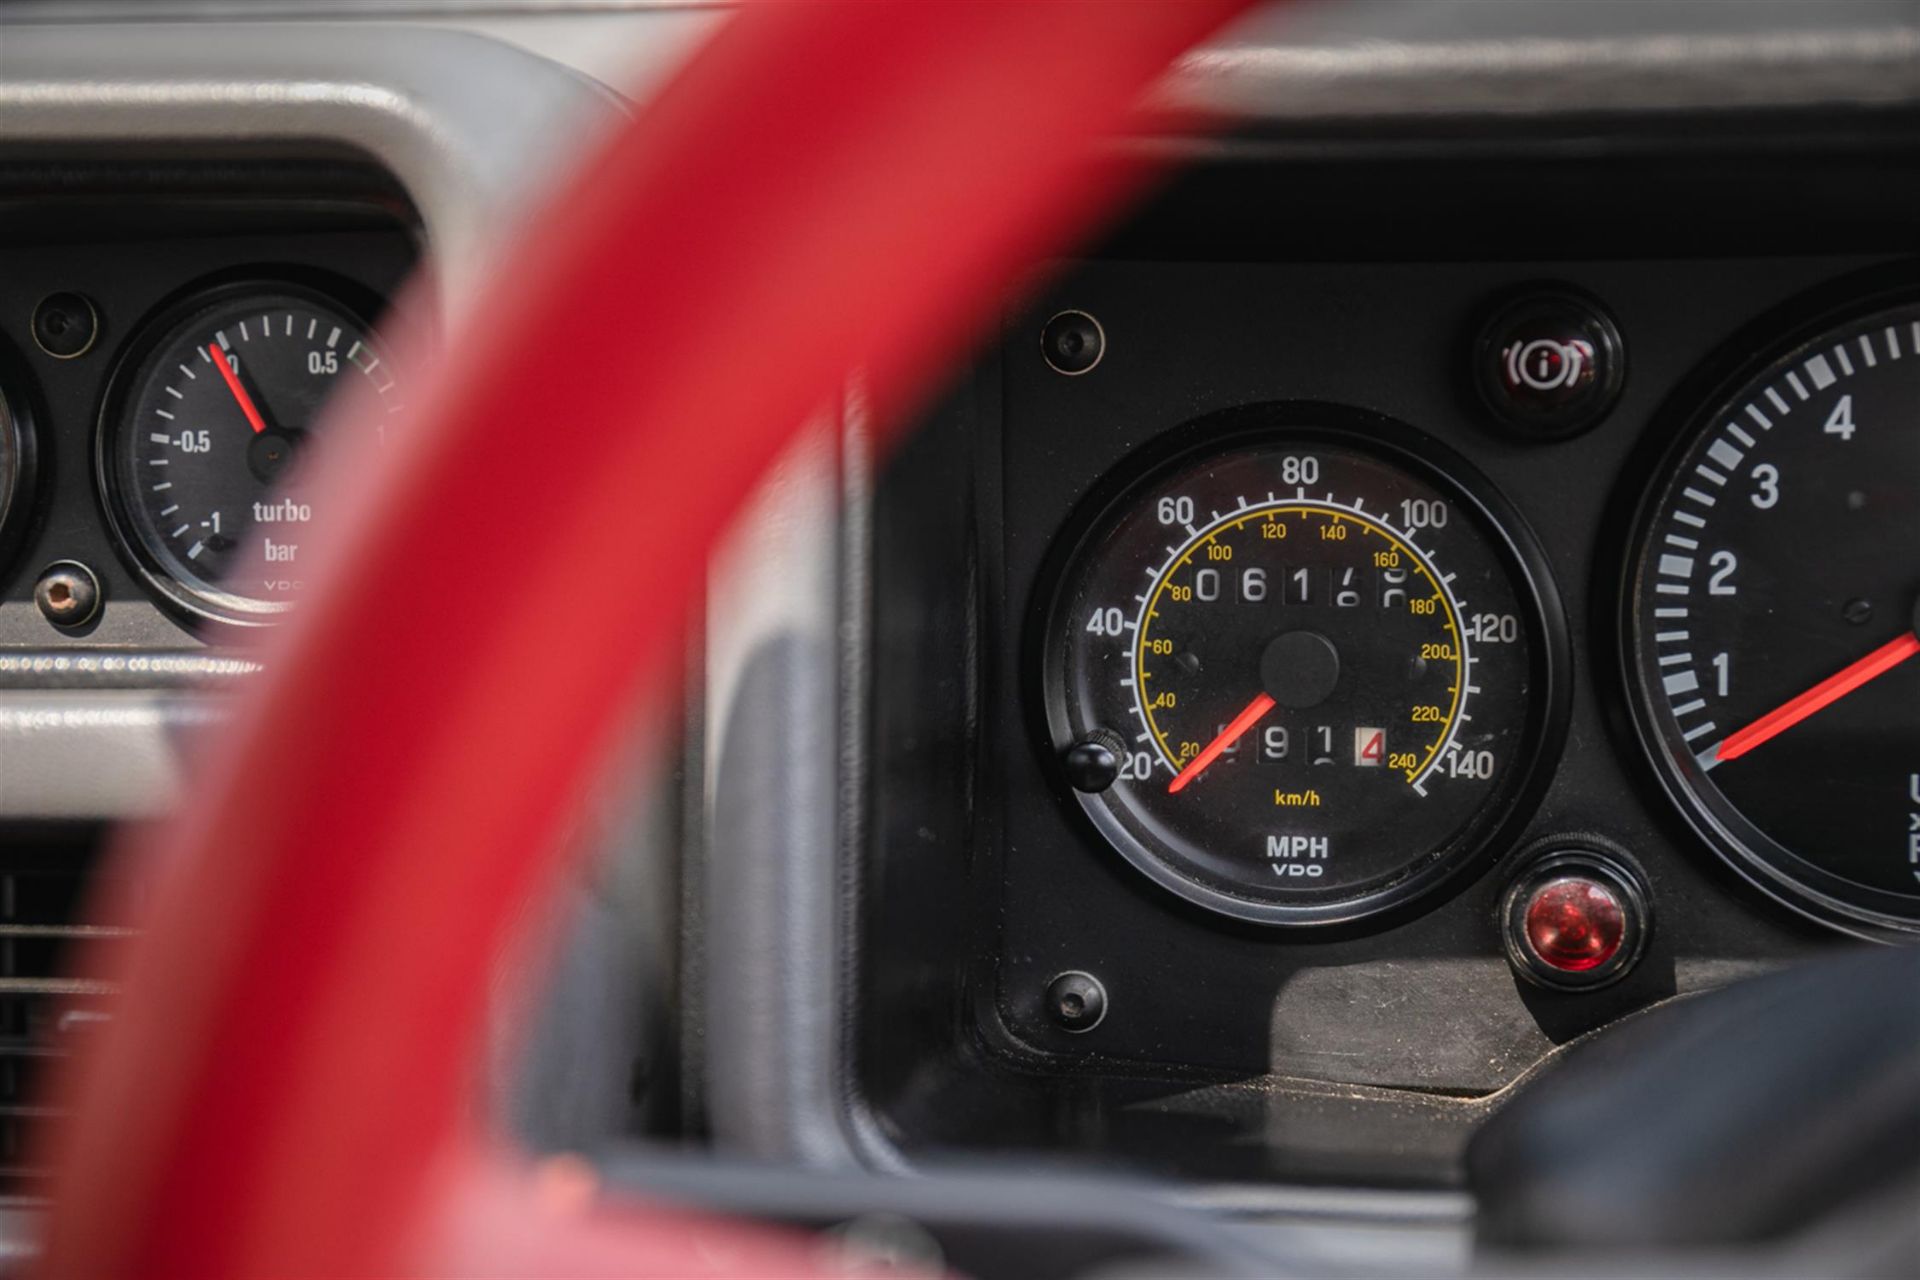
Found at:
[163, 234]
[1386, 1039]
[1221, 997]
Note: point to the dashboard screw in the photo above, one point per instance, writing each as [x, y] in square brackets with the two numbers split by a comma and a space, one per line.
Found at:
[1076, 1001]
[1072, 343]
[65, 325]
[1857, 611]
[1093, 763]
[68, 594]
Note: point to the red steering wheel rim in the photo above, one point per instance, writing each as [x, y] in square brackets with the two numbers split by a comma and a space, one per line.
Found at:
[846, 185]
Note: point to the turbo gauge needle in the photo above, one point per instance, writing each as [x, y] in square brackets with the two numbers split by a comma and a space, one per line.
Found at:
[1826, 693]
[1228, 736]
[258, 423]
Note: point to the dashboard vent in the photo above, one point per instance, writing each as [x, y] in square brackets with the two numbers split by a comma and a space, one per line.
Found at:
[43, 1009]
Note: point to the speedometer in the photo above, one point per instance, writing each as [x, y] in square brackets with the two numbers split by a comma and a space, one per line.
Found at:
[1299, 674]
[1772, 604]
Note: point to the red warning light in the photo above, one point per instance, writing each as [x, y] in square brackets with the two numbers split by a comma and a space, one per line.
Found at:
[1574, 924]
[1576, 919]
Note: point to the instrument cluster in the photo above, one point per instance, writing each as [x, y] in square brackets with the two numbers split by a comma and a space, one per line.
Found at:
[1380, 673]
[1302, 665]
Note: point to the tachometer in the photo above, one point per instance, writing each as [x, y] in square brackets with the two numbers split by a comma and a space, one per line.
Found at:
[1772, 605]
[202, 433]
[1299, 676]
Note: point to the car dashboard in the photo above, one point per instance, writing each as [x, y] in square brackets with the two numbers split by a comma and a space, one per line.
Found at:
[1463, 810]
[1427, 586]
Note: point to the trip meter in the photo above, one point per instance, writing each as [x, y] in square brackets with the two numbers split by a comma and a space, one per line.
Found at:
[1299, 674]
[203, 432]
[1771, 613]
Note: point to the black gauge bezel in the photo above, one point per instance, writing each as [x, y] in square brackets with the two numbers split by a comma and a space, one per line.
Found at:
[1546, 425]
[135, 363]
[1582, 859]
[1504, 814]
[1783, 875]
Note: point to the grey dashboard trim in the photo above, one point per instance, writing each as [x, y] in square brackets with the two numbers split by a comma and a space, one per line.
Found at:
[76, 755]
[1537, 76]
[202, 10]
[773, 910]
[1297, 62]
[465, 124]
[96, 669]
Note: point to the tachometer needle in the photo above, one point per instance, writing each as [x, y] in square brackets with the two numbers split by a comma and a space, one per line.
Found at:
[1228, 736]
[1827, 692]
[254, 420]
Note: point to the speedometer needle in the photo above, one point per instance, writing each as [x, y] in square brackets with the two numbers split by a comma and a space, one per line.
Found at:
[254, 420]
[1228, 736]
[1827, 692]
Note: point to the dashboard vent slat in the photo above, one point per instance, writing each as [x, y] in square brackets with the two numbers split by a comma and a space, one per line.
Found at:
[42, 1006]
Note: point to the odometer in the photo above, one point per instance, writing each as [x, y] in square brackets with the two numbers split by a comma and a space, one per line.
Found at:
[1298, 677]
[1771, 613]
